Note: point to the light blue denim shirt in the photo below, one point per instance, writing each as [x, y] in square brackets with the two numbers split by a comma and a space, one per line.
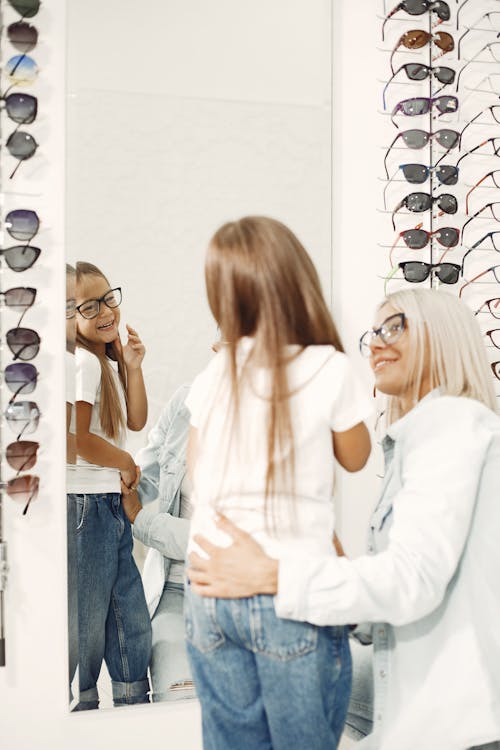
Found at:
[430, 583]
[163, 466]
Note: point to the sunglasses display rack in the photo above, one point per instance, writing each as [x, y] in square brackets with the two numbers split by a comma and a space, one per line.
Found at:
[441, 167]
[19, 226]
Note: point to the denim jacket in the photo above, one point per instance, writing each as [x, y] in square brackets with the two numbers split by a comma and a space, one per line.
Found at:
[163, 466]
[430, 582]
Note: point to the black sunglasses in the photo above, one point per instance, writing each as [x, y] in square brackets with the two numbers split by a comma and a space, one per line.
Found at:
[419, 72]
[416, 271]
[21, 108]
[418, 139]
[489, 235]
[418, 8]
[422, 105]
[420, 202]
[389, 332]
[91, 307]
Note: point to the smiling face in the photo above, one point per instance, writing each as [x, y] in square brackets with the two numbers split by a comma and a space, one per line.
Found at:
[393, 364]
[103, 329]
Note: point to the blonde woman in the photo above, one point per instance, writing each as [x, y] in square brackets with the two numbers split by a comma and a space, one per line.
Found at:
[274, 408]
[430, 582]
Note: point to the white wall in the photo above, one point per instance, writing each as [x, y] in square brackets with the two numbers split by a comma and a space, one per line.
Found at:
[290, 109]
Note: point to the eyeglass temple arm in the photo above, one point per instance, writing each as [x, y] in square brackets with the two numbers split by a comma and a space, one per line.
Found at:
[459, 9]
[387, 154]
[460, 41]
[473, 188]
[474, 216]
[387, 84]
[387, 185]
[400, 205]
[478, 276]
[393, 271]
[393, 11]
[467, 125]
[472, 150]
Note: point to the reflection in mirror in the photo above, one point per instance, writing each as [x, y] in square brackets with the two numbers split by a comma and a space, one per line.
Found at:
[201, 128]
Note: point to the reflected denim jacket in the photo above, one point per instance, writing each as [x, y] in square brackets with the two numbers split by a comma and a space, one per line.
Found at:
[163, 466]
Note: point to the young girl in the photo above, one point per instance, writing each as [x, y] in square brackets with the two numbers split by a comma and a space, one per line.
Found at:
[113, 620]
[269, 414]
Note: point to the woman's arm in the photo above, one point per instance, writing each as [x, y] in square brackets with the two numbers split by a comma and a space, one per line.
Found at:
[99, 451]
[137, 403]
[352, 448]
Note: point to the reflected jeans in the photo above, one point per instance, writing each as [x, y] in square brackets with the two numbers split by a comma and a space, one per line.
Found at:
[265, 682]
[113, 619]
[169, 660]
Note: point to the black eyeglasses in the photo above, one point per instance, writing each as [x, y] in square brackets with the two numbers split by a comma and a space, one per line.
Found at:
[421, 105]
[418, 8]
[416, 271]
[24, 343]
[389, 332]
[494, 336]
[91, 307]
[495, 366]
[496, 148]
[417, 139]
[493, 207]
[493, 306]
[21, 377]
[420, 202]
[474, 28]
[495, 178]
[419, 72]
[22, 417]
[489, 235]
[492, 47]
[418, 38]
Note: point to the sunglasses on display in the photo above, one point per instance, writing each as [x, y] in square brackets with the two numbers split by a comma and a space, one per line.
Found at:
[23, 36]
[420, 202]
[418, 38]
[22, 417]
[495, 270]
[21, 70]
[418, 8]
[91, 307]
[492, 47]
[22, 224]
[475, 27]
[20, 257]
[416, 239]
[23, 490]
[21, 108]
[21, 146]
[495, 178]
[25, 8]
[419, 72]
[389, 332]
[20, 377]
[24, 343]
[493, 307]
[21, 455]
[496, 148]
[416, 271]
[417, 139]
[416, 174]
[422, 105]
[493, 207]
[493, 109]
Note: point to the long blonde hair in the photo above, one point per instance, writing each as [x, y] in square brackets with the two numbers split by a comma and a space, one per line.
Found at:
[111, 416]
[262, 283]
[444, 325]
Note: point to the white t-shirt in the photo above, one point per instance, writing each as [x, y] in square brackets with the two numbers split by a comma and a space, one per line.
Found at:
[86, 477]
[229, 474]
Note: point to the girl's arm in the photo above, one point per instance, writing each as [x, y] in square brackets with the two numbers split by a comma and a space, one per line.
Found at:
[137, 403]
[192, 451]
[352, 447]
[99, 451]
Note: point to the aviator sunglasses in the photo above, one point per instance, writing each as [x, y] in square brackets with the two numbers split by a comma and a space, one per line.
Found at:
[418, 38]
[420, 202]
[421, 105]
[21, 454]
[22, 417]
[389, 332]
[23, 489]
[418, 139]
[419, 72]
[418, 8]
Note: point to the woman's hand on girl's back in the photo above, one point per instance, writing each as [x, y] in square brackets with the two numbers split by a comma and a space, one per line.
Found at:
[133, 351]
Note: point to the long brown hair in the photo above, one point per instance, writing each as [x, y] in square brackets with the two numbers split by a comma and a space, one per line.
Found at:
[262, 283]
[111, 416]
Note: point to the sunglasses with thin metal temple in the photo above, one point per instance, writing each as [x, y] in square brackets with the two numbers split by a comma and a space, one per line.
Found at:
[418, 8]
[420, 202]
[389, 332]
[492, 305]
[492, 47]
[475, 27]
[493, 207]
[23, 489]
[22, 417]
[421, 105]
[21, 454]
[417, 139]
[416, 174]
[495, 178]
[91, 307]
[495, 270]
[419, 72]
[494, 110]
[418, 238]
[418, 38]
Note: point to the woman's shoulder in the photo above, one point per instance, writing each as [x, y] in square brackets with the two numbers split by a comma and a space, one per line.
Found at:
[457, 413]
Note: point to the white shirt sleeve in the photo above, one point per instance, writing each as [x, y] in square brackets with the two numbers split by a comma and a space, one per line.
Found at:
[201, 387]
[88, 376]
[444, 453]
[351, 403]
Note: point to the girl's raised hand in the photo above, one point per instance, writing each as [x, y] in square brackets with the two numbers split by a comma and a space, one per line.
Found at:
[134, 350]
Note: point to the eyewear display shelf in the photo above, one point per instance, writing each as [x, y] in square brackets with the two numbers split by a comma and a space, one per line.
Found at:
[441, 157]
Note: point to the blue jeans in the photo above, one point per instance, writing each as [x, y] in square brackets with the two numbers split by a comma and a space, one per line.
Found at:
[113, 618]
[264, 682]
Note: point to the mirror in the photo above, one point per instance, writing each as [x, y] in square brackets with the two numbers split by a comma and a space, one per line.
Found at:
[181, 116]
